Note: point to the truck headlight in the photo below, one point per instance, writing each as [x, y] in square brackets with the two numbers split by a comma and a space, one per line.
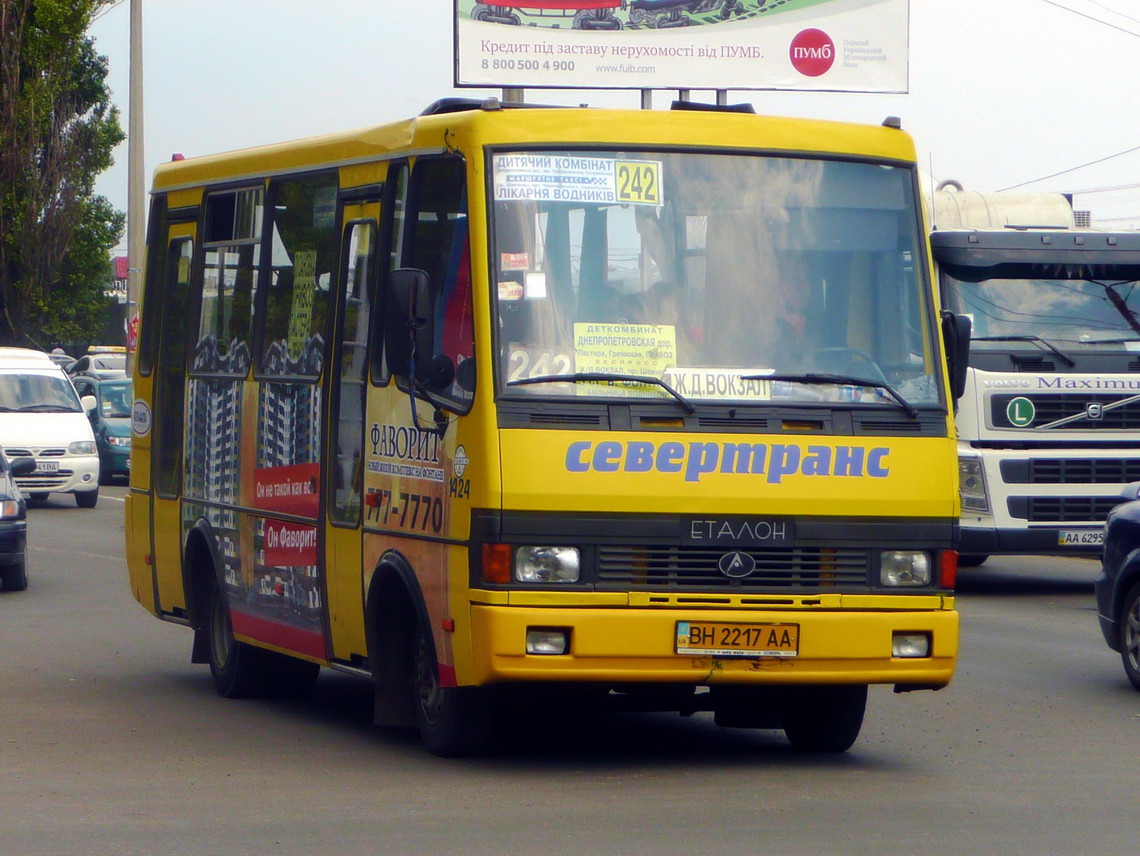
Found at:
[904, 568]
[547, 565]
[972, 485]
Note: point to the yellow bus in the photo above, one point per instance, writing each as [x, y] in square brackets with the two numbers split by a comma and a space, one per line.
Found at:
[505, 403]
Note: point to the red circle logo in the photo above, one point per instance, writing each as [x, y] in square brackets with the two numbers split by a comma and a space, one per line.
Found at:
[812, 52]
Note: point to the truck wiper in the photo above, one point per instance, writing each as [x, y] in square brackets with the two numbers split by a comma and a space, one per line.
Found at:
[1064, 357]
[588, 377]
[840, 380]
[1120, 340]
[1120, 303]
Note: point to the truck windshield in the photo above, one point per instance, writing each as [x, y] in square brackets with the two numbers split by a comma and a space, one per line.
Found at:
[708, 272]
[1066, 313]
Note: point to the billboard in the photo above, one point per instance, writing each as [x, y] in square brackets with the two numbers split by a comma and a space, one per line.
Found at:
[826, 45]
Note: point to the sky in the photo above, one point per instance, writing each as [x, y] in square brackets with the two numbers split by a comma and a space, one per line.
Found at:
[1037, 95]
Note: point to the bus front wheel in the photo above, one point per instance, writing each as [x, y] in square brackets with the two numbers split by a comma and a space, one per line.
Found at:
[823, 719]
[453, 721]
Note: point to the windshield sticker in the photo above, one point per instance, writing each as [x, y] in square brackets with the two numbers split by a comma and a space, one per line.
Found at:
[628, 349]
[510, 290]
[514, 261]
[718, 383]
[577, 178]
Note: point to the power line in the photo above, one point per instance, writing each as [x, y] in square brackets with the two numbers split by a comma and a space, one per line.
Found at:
[1073, 168]
[1114, 11]
[1091, 18]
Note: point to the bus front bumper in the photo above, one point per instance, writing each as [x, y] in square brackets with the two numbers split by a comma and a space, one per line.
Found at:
[622, 645]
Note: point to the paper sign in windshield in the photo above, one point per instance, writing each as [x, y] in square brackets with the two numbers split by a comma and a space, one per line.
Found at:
[576, 178]
[627, 349]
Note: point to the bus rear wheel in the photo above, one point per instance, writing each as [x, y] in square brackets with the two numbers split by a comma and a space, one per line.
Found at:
[234, 666]
[823, 719]
[453, 721]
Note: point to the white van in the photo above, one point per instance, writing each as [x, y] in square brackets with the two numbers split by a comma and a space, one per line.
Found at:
[42, 417]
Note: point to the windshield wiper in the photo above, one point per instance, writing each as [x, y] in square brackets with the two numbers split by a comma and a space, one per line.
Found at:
[834, 379]
[1064, 357]
[588, 377]
[48, 408]
[1120, 303]
[1116, 341]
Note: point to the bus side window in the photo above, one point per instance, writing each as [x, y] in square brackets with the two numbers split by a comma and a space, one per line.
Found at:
[228, 289]
[437, 242]
[302, 254]
[347, 470]
[170, 387]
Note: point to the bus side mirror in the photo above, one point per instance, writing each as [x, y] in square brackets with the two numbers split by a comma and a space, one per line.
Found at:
[956, 338]
[410, 323]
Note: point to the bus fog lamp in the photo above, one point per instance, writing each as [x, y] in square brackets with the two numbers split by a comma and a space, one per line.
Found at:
[904, 568]
[540, 640]
[547, 565]
[972, 486]
[910, 645]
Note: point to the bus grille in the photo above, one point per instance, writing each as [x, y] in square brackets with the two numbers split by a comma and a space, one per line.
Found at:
[681, 567]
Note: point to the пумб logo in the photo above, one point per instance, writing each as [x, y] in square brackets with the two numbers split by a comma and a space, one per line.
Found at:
[812, 52]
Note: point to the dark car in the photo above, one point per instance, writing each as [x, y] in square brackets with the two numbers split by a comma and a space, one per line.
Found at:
[111, 422]
[13, 523]
[1118, 586]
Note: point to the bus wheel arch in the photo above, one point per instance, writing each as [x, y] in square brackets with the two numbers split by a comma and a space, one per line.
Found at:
[394, 608]
[452, 721]
[234, 666]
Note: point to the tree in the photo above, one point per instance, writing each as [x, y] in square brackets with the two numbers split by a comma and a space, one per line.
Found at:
[57, 130]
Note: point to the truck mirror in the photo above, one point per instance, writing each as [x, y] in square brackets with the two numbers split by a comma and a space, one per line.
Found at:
[956, 338]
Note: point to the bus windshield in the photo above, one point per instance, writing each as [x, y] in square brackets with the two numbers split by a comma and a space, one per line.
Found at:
[1089, 313]
[709, 272]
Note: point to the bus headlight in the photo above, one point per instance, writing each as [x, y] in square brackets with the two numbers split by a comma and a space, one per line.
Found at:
[904, 568]
[547, 565]
[972, 486]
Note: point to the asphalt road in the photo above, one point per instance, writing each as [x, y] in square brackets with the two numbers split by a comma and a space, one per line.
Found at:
[112, 743]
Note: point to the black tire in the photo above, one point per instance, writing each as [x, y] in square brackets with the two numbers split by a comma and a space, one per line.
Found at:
[87, 498]
[972, 560]
[237, 668]
[453, 721]
[1128, 627]
[16, 576]
[823, 719]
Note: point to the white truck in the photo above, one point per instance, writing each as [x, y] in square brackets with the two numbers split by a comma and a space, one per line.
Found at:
[1049, 425]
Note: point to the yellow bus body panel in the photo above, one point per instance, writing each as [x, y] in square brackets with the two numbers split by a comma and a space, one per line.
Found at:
[613, 644]
[911, 474]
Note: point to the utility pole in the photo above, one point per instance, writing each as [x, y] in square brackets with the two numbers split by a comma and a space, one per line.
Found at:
[136, 180]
